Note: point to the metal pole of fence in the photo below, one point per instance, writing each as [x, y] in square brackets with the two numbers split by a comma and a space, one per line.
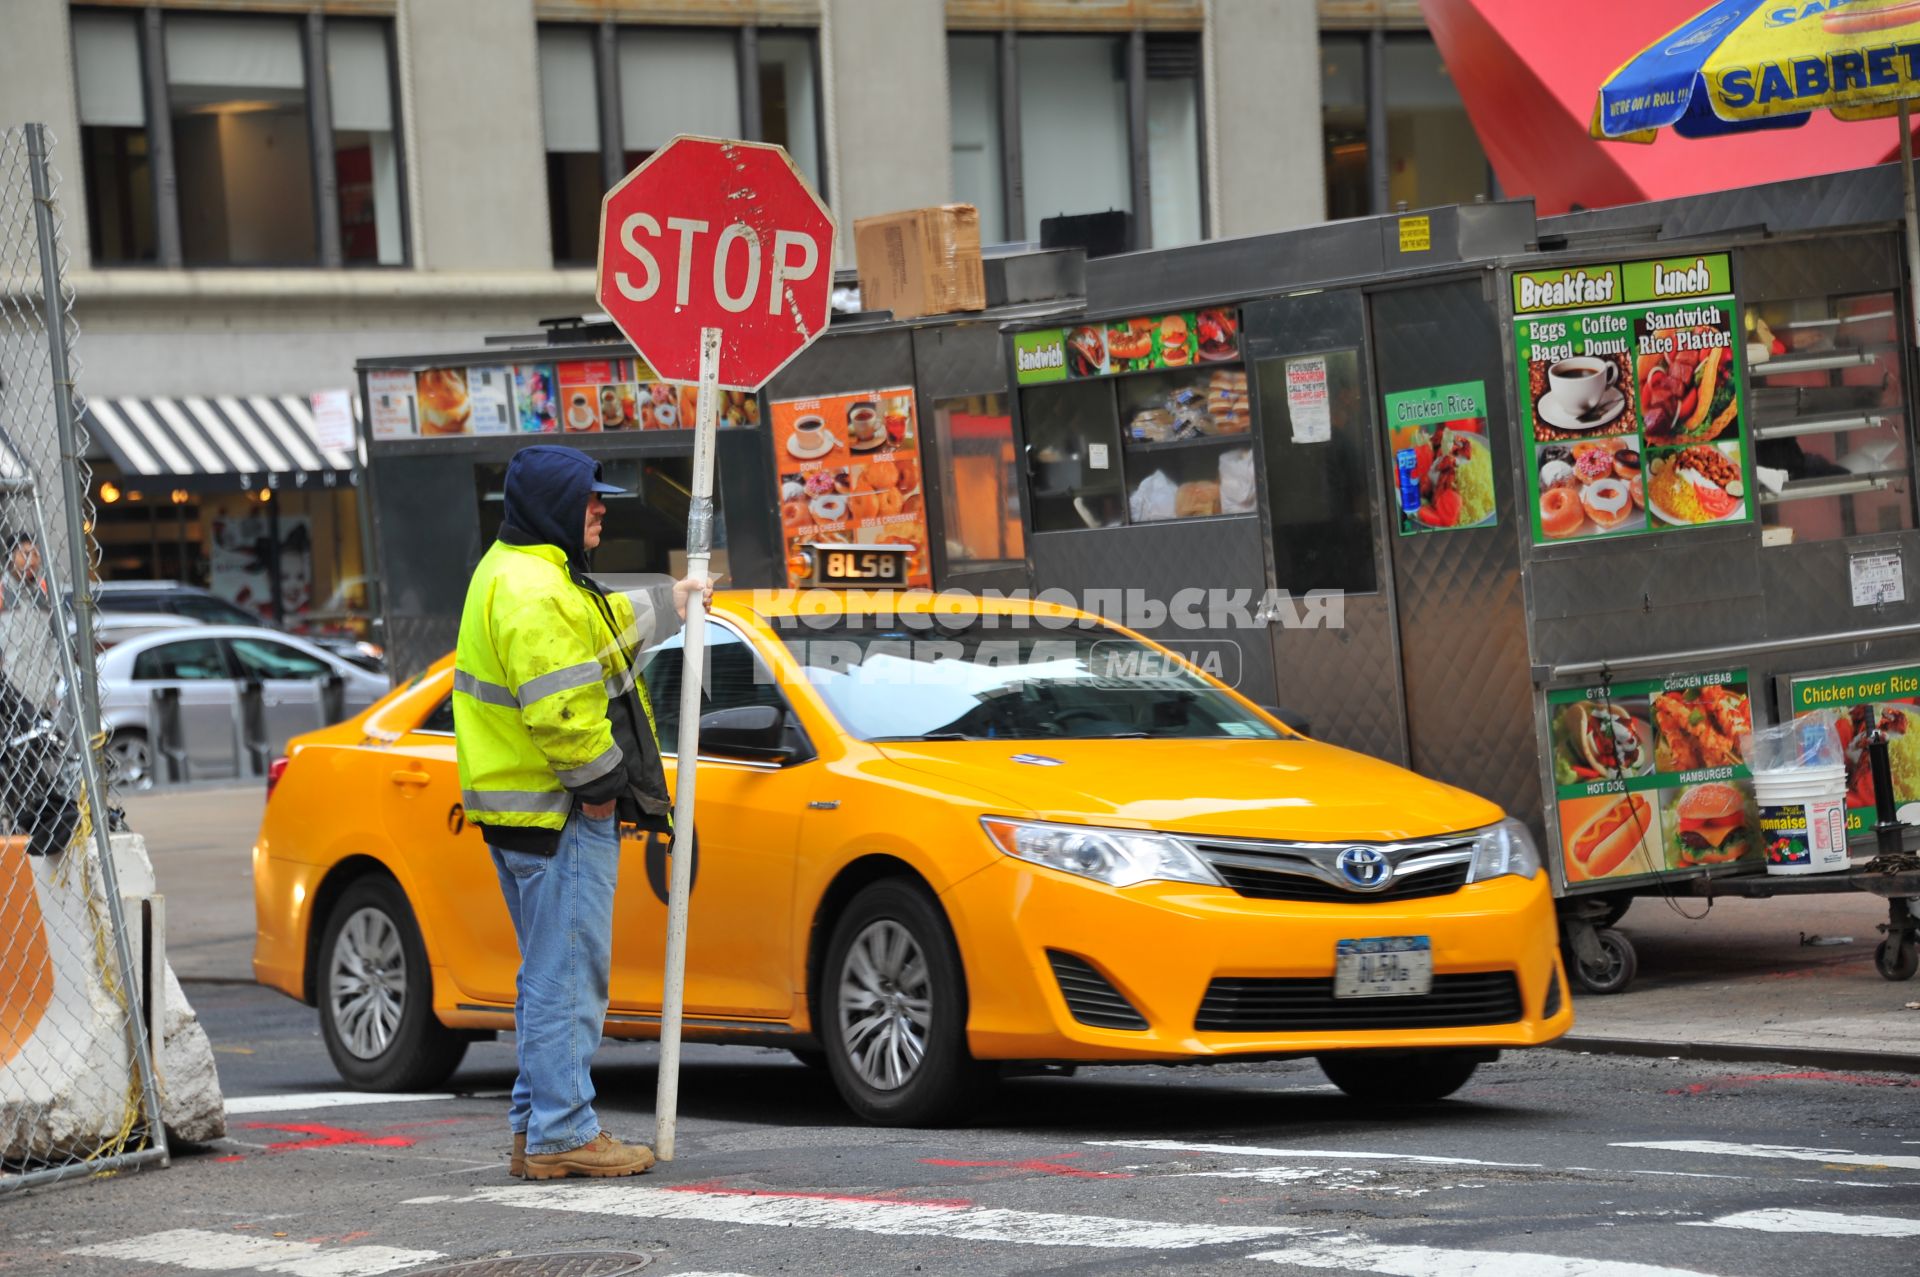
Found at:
[80, 674]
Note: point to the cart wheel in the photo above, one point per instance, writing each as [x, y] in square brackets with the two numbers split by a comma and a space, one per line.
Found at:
[1617, 970]
[1897, 961]
[1617, 906]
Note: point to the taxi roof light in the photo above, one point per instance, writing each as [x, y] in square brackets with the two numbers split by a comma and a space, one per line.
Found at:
[1117, 857]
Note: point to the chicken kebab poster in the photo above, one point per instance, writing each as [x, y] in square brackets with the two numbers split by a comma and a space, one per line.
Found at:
[849, 468]
[1650, 778]
[1630, 386]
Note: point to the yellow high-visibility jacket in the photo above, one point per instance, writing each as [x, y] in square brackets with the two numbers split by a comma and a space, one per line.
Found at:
[543, 691]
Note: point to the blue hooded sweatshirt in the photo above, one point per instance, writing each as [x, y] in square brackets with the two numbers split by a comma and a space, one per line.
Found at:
[546, 499]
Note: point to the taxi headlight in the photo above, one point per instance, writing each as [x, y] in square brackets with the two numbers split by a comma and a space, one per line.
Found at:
[1505, 848]
[1117, 857]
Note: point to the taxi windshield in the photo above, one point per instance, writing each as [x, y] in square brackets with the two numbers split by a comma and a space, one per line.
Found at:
[980, 678]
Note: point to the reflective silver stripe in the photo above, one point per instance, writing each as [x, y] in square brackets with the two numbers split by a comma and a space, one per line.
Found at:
[591, 770]
[619, 684]
[490, 693]
[562, 680]
[517, 800]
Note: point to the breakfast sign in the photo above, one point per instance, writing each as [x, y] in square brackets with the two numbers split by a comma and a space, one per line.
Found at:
[849, 468]
[1630, 383]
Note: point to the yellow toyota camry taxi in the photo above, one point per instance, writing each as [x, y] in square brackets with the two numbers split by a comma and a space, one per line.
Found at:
[936, 839]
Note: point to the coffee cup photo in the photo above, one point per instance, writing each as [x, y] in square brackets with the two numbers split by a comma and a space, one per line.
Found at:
[1579, 384]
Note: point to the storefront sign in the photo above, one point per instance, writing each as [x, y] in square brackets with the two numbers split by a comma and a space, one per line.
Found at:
[333, 420]
[1143, 344]
[1630, 385]
[1877, 578]
[1649, 776]
[1442, 460]
[1307, 405]
[1855, 704]
[849, 468]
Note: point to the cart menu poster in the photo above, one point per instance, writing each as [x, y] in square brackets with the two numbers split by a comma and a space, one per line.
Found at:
[584, 396]
[849, 468]
[1856, 703]
[1442, 463]
[1630, 386]
[1145, 343]
[1649, 776]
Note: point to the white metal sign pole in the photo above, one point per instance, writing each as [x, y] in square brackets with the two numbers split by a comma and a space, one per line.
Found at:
[680, 878]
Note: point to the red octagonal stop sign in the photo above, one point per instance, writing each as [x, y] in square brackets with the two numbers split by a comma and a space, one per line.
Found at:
[710, 233]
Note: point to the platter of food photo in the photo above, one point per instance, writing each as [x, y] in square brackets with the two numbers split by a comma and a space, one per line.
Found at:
[1590, 488]
[1695, 484]
[1687, 395]
[1453, 465]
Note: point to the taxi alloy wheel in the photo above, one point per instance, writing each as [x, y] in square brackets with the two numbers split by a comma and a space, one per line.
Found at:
[375, 992]
[894, 1016]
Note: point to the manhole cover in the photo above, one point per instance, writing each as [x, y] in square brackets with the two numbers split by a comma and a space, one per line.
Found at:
[570, 1263]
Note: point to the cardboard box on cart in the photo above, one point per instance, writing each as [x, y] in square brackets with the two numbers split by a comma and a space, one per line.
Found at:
[921, 261]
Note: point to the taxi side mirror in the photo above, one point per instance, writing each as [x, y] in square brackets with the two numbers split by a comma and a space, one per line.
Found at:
[756, 733]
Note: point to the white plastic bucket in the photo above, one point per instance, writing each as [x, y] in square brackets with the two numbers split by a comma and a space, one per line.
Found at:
[1803, 819]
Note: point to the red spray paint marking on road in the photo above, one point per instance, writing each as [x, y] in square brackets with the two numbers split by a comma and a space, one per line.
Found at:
[323, 1136]
[1811, 1075]
[947, 1203]
[1036, 1165]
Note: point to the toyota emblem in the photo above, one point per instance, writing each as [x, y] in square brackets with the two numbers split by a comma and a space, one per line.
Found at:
[1364, 867]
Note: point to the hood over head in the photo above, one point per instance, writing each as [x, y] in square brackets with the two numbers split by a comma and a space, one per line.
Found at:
[546, 498]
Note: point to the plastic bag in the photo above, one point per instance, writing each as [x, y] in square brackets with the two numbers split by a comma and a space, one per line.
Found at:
[1809, 741]
[1236, 482]
[1154, 498]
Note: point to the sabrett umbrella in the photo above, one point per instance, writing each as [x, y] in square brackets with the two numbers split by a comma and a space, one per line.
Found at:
[1742, 65]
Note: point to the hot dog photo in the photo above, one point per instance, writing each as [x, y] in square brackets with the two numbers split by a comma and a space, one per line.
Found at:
[1613, 836]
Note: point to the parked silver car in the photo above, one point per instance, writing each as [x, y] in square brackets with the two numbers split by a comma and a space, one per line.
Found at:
[211, 665]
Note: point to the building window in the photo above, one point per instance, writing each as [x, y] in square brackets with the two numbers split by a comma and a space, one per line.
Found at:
[259, 175]
[1397, 85]
[979, 166]
[366, 149]
[668, 80]
[1071, 119]
[570, 119]
[116, 157]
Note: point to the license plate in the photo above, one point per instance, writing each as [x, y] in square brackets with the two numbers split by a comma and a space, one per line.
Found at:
[1383, 967]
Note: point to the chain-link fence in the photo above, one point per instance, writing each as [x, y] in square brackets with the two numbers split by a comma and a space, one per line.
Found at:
[77, 1088]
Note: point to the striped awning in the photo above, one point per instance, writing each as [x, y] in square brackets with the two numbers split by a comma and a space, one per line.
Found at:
[218, 442]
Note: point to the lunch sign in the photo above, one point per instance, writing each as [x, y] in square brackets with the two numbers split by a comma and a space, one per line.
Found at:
[1630, 383]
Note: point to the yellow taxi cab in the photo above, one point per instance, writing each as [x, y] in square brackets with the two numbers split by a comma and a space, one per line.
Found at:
[935, 839]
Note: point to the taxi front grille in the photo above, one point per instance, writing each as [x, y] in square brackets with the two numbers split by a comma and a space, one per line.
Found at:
[1090, 998]
[1247, 1005]
[1269, 884]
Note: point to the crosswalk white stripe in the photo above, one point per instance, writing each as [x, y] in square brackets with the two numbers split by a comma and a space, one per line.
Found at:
[1830, 1156]
[1354, 1254]
[893, 1219]
[1785, 1220]
[243, 1104]
[1248, 1150]
[203, 1250]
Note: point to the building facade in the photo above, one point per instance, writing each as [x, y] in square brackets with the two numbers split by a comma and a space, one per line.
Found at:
[258, 192]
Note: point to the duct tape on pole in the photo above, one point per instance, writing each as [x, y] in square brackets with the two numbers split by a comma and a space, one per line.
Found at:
[716, 262]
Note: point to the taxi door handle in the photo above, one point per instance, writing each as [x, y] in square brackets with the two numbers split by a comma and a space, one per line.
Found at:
[412, 778]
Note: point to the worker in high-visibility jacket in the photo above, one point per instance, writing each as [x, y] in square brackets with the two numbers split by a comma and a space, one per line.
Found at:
[557, 750]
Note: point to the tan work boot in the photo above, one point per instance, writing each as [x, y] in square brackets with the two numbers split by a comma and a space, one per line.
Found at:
[517, 1160]
[602, 1157]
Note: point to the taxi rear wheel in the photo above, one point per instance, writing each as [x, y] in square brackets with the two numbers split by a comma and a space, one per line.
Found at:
[1405, 1077]
[894, 1013]
[376, 994]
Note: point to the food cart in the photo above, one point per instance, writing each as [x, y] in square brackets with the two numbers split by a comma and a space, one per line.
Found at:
[876, 434]
[1596, 494]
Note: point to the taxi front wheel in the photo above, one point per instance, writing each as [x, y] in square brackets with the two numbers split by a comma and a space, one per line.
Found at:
[894, 1013]
[376, 994]
[1404, 1077]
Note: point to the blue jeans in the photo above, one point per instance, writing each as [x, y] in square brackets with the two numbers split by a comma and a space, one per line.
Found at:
[562, 911]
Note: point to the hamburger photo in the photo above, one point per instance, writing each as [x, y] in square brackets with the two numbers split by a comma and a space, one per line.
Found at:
[1709, 825]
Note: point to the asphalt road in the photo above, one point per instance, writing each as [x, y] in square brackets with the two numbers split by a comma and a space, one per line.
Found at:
[1549, 1164]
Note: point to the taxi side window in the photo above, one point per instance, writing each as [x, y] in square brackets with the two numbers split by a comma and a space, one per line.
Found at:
[440, 722]
[735, 677]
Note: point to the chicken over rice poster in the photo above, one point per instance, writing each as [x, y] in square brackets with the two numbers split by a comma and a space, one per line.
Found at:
[1630, 398]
